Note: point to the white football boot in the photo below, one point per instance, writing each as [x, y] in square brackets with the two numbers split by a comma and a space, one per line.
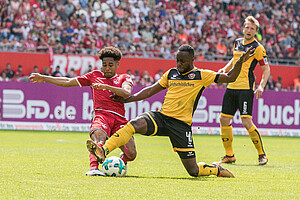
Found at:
[95, 172]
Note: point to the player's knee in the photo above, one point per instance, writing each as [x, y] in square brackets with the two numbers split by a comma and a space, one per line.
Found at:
[139, 124]
[98, 135]
[225, 121]
[247, 122]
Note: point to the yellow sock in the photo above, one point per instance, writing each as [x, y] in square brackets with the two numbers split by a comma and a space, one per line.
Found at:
[256, 139]
[206, 170]
[120, 138]
[227, 138]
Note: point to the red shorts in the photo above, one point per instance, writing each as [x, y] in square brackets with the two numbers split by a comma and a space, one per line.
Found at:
[108, 122]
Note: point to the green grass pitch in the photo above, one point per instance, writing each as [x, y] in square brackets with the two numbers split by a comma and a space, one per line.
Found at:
[52, 165]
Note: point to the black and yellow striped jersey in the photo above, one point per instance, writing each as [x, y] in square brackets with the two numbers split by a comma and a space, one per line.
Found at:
[246, 79]
[184, 91]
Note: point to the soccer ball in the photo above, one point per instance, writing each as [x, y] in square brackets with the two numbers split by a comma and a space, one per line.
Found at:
[113, 166]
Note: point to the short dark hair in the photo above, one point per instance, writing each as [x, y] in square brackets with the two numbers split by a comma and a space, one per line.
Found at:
[187, 48]
[112, 52]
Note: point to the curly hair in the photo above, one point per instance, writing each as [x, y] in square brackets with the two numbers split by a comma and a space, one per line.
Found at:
[112, 52]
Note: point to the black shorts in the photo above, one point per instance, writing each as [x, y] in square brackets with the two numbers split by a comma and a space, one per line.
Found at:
[179, 132]
[238, 99]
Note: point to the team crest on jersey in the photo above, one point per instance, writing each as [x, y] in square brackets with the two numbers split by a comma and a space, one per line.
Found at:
[191, 76]
[104, 126]
[116, 81]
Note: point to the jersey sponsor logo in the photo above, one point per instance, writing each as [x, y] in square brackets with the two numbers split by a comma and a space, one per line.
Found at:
[245, 105]
[116, 81]
[190, 153]
[191, 75]
[184, 84]
[174, 76]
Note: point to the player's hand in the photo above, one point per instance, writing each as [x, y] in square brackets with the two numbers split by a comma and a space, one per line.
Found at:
[258, 92]
[249, 53]
[99, 86]
[36, 78]
[117, 98]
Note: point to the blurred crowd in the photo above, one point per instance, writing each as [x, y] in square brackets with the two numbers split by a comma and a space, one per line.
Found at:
[147, 28]
[139, 78]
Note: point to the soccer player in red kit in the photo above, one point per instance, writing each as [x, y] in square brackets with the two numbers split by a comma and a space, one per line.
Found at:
[109, 115]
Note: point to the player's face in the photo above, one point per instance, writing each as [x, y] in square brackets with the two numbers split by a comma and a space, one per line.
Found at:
[184, 62]
[109, 67]
[249, 31]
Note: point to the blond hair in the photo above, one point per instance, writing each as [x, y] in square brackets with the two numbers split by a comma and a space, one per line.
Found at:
[252, 20]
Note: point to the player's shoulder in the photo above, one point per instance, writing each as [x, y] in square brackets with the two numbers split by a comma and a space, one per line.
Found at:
[123, 76]
[259, 46]
[96, 72]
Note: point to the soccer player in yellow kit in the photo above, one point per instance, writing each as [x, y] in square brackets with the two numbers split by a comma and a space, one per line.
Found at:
[185, 85]
[239, 94]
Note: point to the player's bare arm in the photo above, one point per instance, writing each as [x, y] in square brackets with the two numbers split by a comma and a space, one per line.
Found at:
[266, 73]
[145, 93]
[227, 67]
[235, 71]
[124, 91]
[60, 81]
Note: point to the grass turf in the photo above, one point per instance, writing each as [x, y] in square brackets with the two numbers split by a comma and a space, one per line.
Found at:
[52, 165]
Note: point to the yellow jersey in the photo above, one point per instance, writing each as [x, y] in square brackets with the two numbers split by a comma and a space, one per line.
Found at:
[246, 79]
[184, 91]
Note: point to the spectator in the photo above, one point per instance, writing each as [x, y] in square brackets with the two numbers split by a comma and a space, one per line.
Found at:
[129, 72]
[137, 76]
[19, 72]
[158, 75]
[8, 71]
[146, 79]
[57, 72]
[71, 73]
[16, 30]
[3, 77]
[25, 30]
[35, 70]
[47, 71]
[271, 83]
[222, 49]
[278, 85]
[90, 68]
[164, 24]
[297, 83]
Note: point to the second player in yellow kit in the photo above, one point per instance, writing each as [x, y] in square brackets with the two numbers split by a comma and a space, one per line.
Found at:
[240, 93]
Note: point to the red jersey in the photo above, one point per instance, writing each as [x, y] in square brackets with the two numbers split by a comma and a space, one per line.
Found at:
[101, 98]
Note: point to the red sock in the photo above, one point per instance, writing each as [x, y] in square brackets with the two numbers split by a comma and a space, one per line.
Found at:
[93, 162]
[126, 157]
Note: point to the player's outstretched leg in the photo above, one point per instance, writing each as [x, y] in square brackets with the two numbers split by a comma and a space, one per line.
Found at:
[94, 170]
[95, 150]
[214, 169]
[222, 172]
